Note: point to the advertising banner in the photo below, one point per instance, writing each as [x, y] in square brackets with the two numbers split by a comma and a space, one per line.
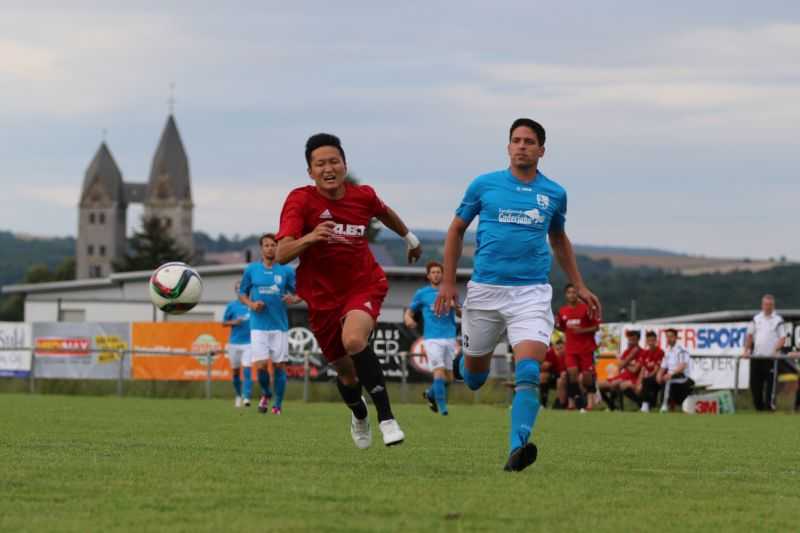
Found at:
[712, 341]
[62, 349]
[166, 337]
[15, 364]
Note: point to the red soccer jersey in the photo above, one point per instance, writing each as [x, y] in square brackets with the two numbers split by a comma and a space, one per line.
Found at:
[330, 271]
[651, 359]
[628, 351]
[577, 317]
[556, 362]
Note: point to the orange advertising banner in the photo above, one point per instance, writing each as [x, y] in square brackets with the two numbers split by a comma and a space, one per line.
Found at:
[168, 337]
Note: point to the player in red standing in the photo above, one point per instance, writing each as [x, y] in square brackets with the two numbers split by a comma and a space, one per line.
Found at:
[325, 225]
[575, 320]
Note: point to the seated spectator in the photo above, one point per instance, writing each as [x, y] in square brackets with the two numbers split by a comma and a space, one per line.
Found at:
[627, 378]
[675, 373]
[553, 375]
[649, 361]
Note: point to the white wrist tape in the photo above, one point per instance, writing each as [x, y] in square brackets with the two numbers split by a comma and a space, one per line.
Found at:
[411, 240]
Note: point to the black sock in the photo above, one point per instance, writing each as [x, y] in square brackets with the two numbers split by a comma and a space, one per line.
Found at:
[632, 396]
[370, 374]
[609, 399]
[574, 392]
[543, 394]
[351, 394]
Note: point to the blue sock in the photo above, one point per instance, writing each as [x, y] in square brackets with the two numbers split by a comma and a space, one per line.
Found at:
[247, 390]
[474, 380]
[429, 392]
[237, 381]
[263, 381]
[280, 386]
[526, 403]
[440, 395]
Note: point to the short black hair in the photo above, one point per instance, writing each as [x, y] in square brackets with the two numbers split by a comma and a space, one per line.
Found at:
[650, 333]
[673, 330]
[633, 333]
[568, 286]
[318, 140]
[270, 236]
[537, 128]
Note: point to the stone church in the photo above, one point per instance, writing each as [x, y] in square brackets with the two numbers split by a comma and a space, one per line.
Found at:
[105, 198]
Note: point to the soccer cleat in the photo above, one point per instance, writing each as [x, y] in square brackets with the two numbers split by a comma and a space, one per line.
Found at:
[431, 402]
[664, 409]
[521, 458]
[237, 402]
[263, 404]
[392, 434]
[361, 432]
[276, 410]
[246, 402]
[645, 407]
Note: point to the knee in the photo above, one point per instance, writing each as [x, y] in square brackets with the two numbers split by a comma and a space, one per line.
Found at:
[527, 373]
[348, 378]
[353, 343]
[474, 379]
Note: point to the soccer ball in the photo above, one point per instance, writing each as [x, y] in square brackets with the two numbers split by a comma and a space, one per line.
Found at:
[175, 288]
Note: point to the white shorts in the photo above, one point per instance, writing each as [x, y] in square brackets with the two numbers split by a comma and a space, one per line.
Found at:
[272, 345]
[239, 355]
[440, 353]
[491, 309]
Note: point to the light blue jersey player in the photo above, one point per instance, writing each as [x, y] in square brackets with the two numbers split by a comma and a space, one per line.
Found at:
[519, 208]
[440, 337]
[237, 317]
[266, 288]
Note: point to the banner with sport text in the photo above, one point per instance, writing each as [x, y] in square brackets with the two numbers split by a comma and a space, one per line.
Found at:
[715, 342]
[81, 350]
[169, 337]
[15, 363]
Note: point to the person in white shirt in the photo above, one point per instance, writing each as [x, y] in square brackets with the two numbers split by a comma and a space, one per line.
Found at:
[765, 338]
[675, 372]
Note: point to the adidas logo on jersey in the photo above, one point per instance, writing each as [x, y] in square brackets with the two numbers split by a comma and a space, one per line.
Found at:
[326, 214]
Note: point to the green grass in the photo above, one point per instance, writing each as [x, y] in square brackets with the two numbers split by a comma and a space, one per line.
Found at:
[109, 464]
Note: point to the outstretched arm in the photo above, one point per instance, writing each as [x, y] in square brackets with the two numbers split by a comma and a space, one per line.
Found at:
[289, 247]
[453, 246]
[392, 220]
[565, 255]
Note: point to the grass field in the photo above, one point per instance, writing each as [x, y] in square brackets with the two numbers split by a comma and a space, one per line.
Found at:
[108, 464]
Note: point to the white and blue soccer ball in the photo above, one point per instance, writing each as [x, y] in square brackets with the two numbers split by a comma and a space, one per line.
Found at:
[175, 287]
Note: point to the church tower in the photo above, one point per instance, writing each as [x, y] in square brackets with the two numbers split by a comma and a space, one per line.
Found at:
[101, 217]
[169, 193]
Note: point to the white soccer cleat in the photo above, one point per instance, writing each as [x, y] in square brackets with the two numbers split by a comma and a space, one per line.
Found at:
[361, 432]
[645, 407]
[237, 402]
[392, 434]
[664, 409]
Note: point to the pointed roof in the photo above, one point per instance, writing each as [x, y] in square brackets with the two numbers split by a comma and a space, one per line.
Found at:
[103, 178]
[169, 174]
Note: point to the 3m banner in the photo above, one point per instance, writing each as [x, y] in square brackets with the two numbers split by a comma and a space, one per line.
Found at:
[166, 337]
[15, 364]
[712, 341]
[63, 349]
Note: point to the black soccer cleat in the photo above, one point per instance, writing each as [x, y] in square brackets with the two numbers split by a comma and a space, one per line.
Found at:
[521, 458]
[431, 402]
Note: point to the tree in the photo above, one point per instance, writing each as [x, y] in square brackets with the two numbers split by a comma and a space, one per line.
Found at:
[13, 307]
[151, 247]
[374, 225]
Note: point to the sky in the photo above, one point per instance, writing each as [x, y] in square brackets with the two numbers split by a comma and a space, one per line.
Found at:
[671, 124]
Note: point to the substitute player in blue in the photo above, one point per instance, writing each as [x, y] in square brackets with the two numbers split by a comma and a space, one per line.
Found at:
[237, 317]
[266, 288]
[519, 209]
[440, 337]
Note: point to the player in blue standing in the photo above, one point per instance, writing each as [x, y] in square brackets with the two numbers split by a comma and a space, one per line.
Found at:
[519, 209]
[266, 288]
[440, 337]
[237, 317]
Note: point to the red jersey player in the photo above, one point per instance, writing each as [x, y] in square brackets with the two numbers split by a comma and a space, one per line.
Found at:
[650, 360]
[579, 327]
[627, 379]
[554, 374]
[325, 225]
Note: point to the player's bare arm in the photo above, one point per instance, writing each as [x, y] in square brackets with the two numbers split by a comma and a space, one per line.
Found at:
[290, 248]
[408, 319]
[392, 220]
[565, 255]
[453, 247]
[254, 305]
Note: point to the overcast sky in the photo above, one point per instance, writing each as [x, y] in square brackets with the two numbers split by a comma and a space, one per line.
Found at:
[671, 124]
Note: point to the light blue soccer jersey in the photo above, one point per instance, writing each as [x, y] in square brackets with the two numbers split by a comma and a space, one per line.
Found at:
[515, 218]
[436, 327]
[268, 285]
[240, 334]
